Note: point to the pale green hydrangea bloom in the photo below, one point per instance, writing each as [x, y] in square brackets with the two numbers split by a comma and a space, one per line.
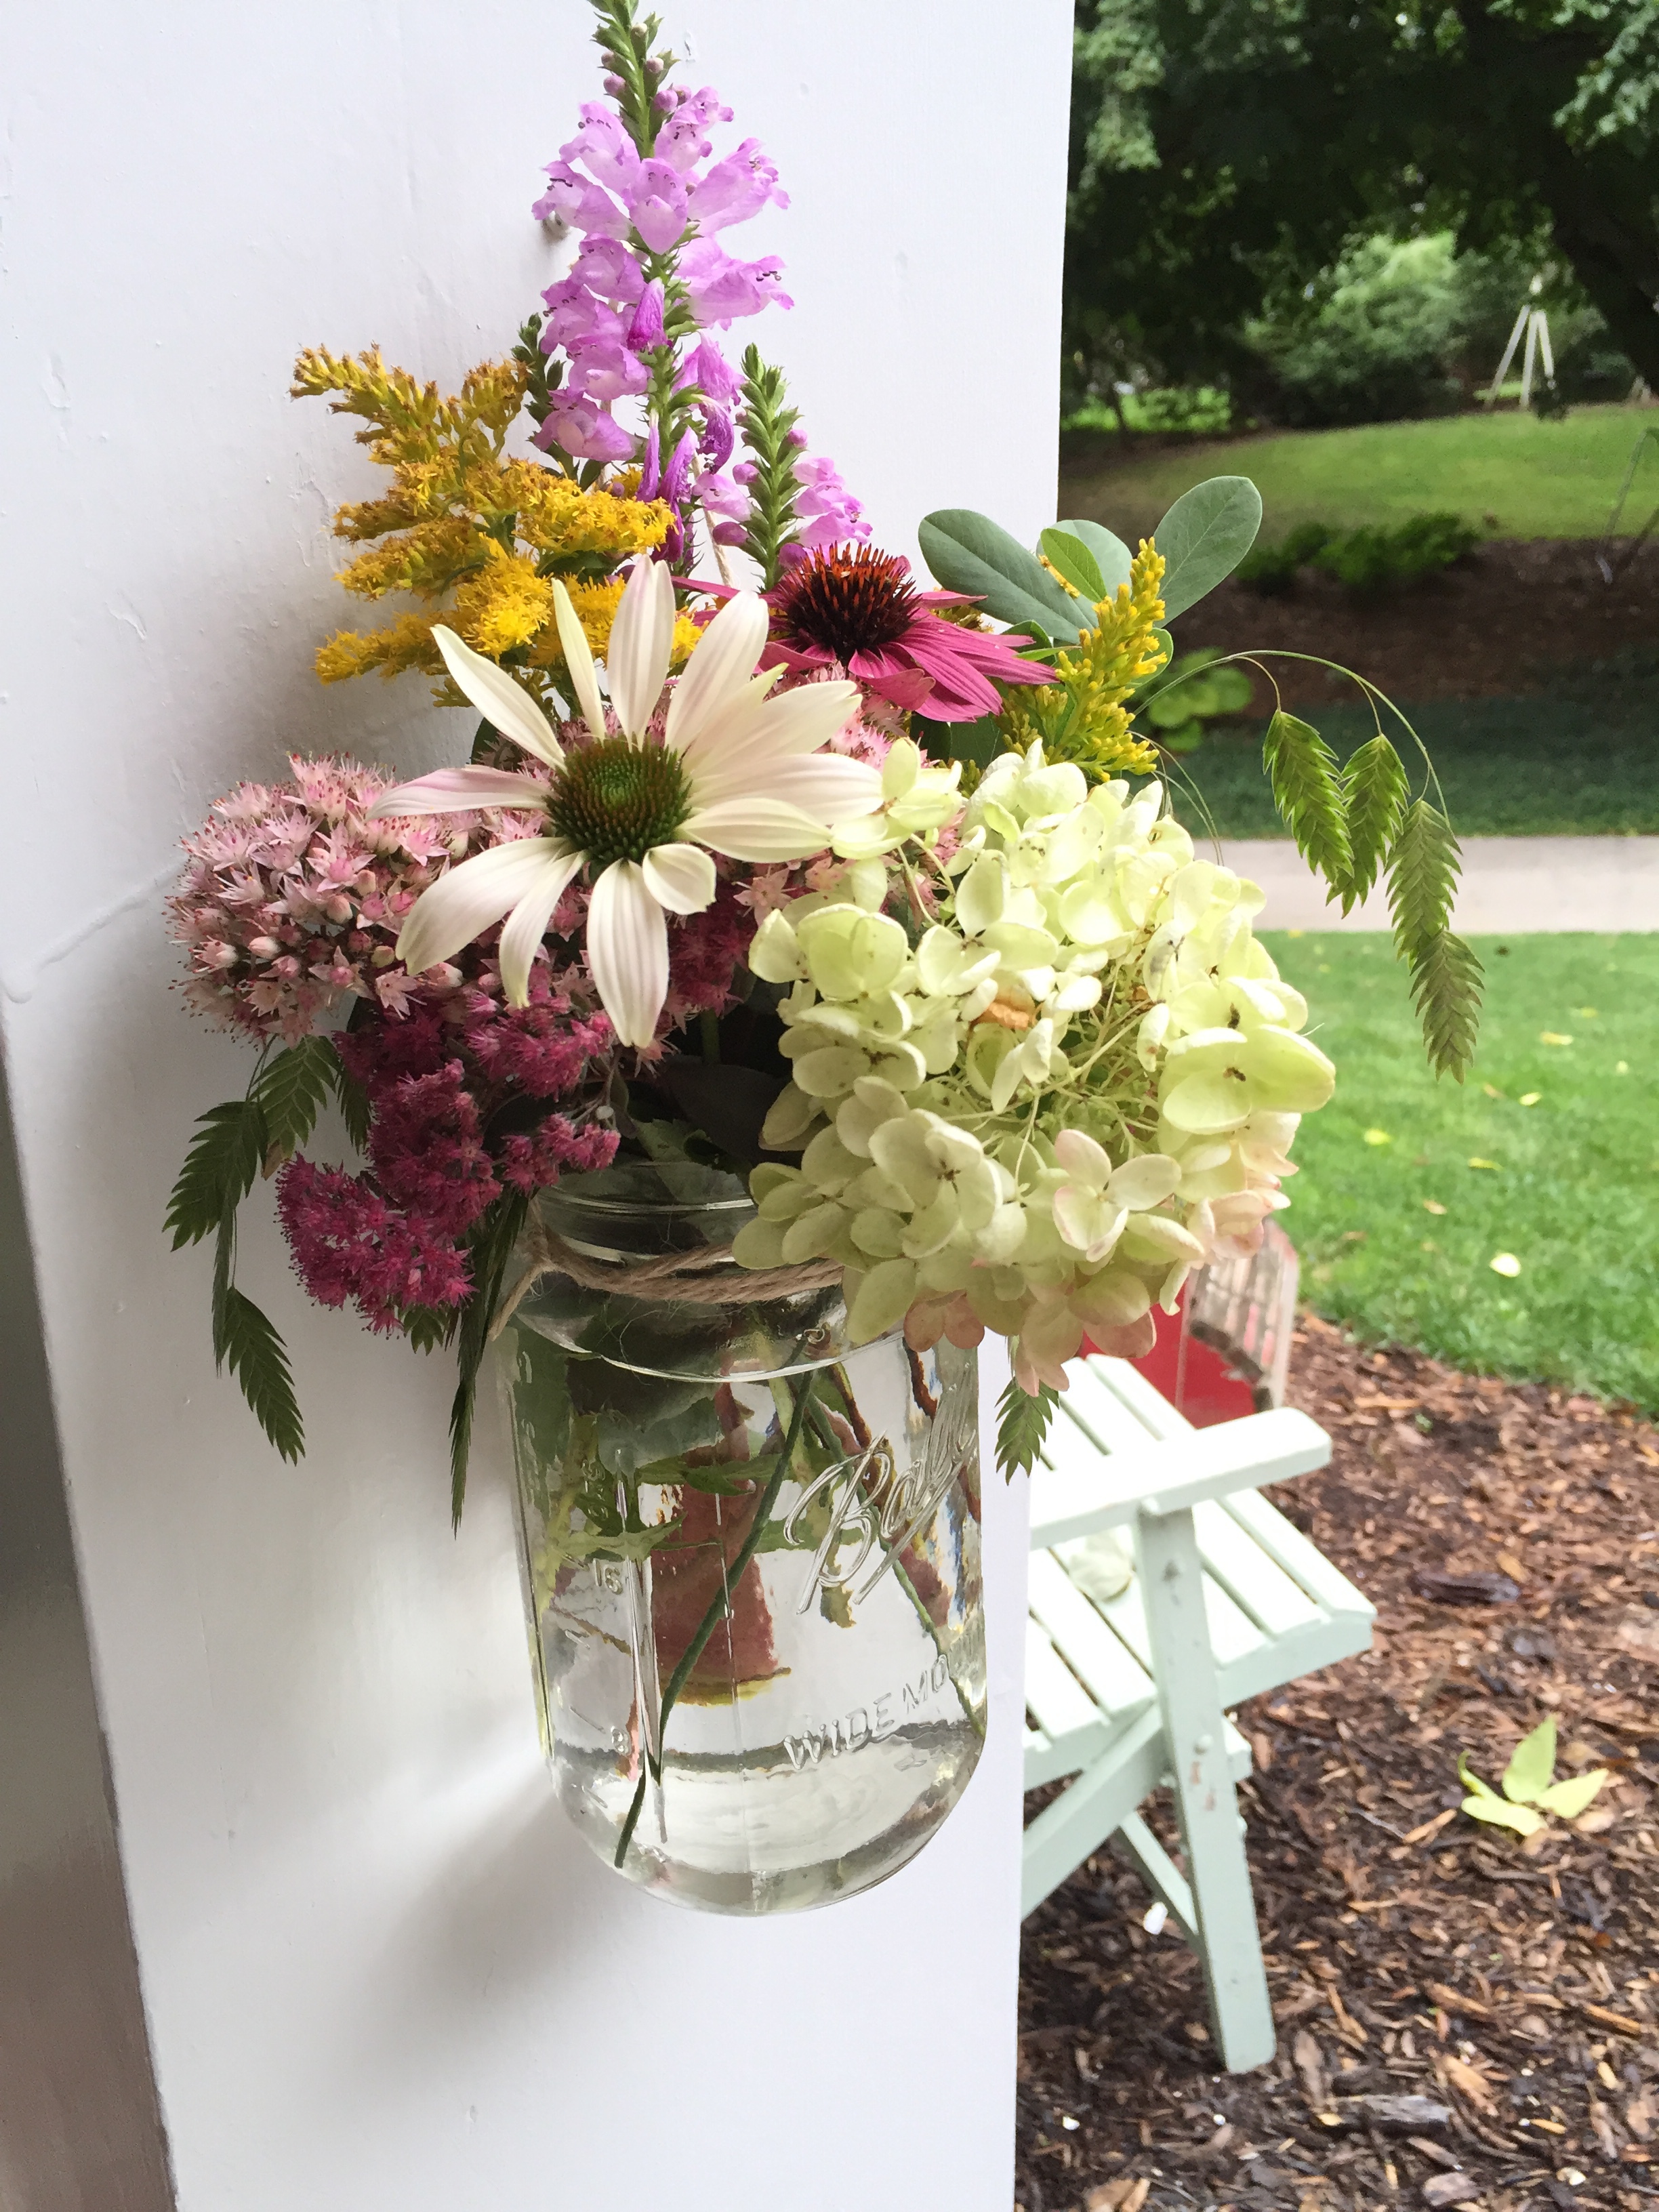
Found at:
[1038, 1112]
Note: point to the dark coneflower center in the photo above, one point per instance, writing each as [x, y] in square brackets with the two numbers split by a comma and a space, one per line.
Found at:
[846, 599]
[614, 801]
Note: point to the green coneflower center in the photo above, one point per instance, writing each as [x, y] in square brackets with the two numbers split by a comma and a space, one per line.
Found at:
[614, 801]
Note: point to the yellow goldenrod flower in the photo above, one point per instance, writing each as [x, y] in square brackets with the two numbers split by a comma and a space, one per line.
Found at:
[1080, 716]
[476, 534]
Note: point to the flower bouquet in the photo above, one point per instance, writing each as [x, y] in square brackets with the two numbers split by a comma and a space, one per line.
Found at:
[806, 973]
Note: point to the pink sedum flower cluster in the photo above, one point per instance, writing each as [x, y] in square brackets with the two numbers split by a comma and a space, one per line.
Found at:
[292, 898]
[392, 1238]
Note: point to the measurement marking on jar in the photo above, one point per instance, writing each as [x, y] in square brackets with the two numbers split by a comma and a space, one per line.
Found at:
[868, 1724]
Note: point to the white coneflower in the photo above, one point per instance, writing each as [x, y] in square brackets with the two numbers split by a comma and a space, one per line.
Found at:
[737, 772]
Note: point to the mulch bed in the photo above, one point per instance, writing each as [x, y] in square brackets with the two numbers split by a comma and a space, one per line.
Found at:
[1411, 1952]
[1493, 627]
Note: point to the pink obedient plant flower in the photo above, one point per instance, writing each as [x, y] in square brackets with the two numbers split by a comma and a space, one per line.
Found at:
[736, 771]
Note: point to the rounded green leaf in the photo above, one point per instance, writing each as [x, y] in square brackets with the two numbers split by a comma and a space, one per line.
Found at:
[1111, 555]
[1204, 536]
[969, 552]
[1075, 563]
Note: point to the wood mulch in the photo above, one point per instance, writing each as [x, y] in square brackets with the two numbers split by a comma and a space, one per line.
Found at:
[1493, 627]
[1512, 1987]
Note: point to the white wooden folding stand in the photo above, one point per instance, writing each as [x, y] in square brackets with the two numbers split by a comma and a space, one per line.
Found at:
[1228, 1600]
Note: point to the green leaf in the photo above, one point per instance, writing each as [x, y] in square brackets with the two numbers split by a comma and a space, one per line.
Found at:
[1112, 557]
[224, 1262]
[1373, 785]
[353, 1104]
[1446, 979]
[1527, 1777]
[1022, 1424]
[1570, 1798]
[968, 552]
[1302, 769]
[1502, 1814]
[716, 1481]
[255, 1355]
[292, 1088]
[490, 1244]
[428, 1326]
[1074, 562]
[1204, 536]
[224, 1156]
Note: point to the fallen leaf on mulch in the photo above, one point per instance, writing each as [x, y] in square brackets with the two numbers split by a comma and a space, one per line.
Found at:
[1464, 1589]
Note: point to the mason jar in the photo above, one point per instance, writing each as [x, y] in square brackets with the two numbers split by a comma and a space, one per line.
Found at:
[751, 1551]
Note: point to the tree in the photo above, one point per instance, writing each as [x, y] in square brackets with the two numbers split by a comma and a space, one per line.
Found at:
[1219, 146]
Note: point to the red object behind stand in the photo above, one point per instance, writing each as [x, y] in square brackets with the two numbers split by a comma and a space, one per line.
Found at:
[1191, 1375]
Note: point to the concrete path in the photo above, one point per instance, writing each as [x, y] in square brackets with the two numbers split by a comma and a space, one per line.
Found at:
[1509, 885]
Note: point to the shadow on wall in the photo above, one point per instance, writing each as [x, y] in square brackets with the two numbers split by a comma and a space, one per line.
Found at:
[80, 2126]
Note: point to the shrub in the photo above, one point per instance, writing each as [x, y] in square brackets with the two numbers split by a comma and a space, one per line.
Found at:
[1369, 342]
[1271, 569]
[1368, 560]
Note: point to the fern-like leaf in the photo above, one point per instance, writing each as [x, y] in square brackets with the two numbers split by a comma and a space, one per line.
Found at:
[1308, 791]
[428, 1326]
[1022, 1424]
[1446, 979]
[223, 1159]
[290, 1089]
[491, 1248]
[354, 1104]
[1374, 788]
[256, 1357]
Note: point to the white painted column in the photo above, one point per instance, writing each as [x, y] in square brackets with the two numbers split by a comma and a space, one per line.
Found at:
[378, 1967]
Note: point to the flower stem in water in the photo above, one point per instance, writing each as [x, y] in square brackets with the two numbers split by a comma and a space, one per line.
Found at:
[717, 1607]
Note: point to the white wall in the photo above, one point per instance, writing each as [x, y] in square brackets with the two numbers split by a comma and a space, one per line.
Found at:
[379, 1968]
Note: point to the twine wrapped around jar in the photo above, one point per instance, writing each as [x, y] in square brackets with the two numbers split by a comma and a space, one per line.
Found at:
[706, 1276]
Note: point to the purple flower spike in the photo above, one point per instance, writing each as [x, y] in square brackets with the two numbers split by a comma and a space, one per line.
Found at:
[604, 148]
[607, 268]
[645, 331]
[605, 371]
[657, 202]
[721, 289]
[677, 476]
[717, 440]
[735, 189]
[580, 202]
[712, 374]
[651, 476]
[585, 429]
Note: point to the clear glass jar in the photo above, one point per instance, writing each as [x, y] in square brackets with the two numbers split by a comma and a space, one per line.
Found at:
[752, 1558]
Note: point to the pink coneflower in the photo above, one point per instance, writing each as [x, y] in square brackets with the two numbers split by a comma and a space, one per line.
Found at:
[857, 606]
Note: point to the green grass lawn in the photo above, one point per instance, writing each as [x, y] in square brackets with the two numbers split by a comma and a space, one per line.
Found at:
[1411, 1188]
[1537, 479]
[1581, 760]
